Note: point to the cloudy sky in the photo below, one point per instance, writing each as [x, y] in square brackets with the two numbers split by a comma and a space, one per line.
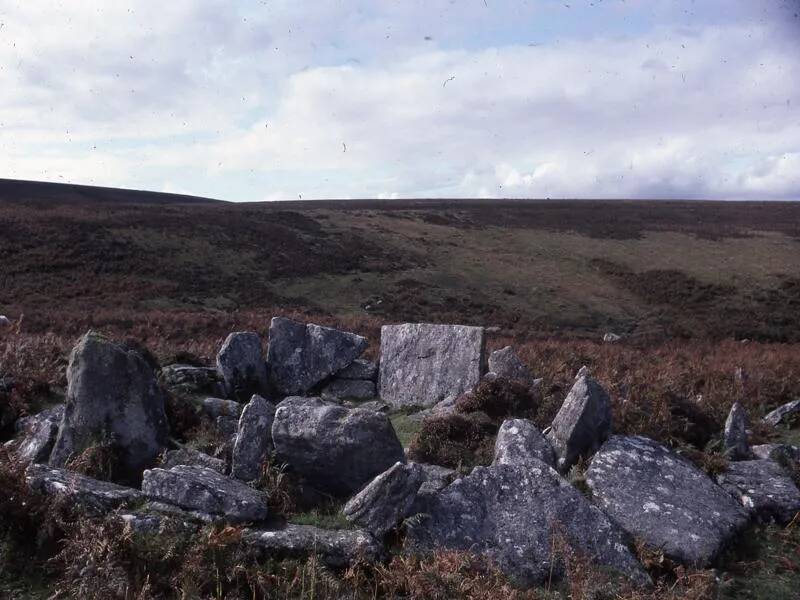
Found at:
[269, 99]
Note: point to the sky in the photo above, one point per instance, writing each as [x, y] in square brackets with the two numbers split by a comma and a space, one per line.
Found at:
[251, 100]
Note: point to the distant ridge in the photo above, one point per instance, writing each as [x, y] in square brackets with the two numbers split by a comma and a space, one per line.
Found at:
[39, 191]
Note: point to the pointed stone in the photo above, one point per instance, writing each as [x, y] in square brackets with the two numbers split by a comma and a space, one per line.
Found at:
[734, 438]
[253, 439]
[519, 441]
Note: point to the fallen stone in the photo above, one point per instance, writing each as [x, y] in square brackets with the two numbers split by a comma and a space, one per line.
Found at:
[349, 389]
[189, 379]
[38, 434]
[359, 369]
[582, 424]
[663, 499]
[240, 364]
[780, 453]
[253, 439]
[336, 449]
[301, 356]
[91, 495]
[206, 491]
[520, 442]
[334, 548]
[112, 392]
[763, 488]
[218, 407]
[386, 500]
[422, 365]
[512, 514]
[190, 457]
[734, 438]
[782, 413]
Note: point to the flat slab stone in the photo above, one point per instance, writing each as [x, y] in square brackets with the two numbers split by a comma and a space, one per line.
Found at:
[204, 490]
[511, 513]
[301, 356]
[663, 499]
[94, 496]
[422, 365]
[334, 547]
[764, 489]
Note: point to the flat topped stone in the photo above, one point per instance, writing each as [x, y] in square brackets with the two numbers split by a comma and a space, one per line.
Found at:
[301, 356]
[764, 489]
[663, 499]
[201, 489]
[422, 365]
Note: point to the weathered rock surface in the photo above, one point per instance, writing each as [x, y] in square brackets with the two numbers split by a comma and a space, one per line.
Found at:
[188, 456]
[219, 407]
[338, 450]
[582, 424]
[782, 413]
[519, 442]
[422, 365]
[111, 392]
[663, 499]
[360, 368]
[189, 379]
[507, 364]
[240, 364]
[584, 371]
[763, 488]
[780, 453]
[301, 356]
[95, 497]
[361, 390]
[253, 438]
[386, 500]
[734, 438]
[204, 490]
[335, 548]
[38, 434]
[511, 513]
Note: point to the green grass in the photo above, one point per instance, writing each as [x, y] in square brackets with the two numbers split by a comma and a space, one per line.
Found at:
[331, 518]
[405, 426]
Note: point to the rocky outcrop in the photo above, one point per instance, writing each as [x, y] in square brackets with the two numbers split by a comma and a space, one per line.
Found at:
[662, 499]
[422, 365]
[38, 434]
[301, 356]
[112, 393]
[386, 500]
[763, 488]
[512, 514]
[359, 390]
[93, 496]
[201, 489]
[582, 424]
[359, 369]
[334, 548]
[240, 364]
[734, 438]
[253, 439]
[337, 450]
[782, 413]
[195, 458]
[520, 442]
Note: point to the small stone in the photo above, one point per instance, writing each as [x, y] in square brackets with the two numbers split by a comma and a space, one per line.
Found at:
[612, 338]
[780, 453]
[253, 439]
[359, 369]
[782, 413]
[188, 456]
[360, 390]
[507, 364]
[240, 363]
[38, 434]
[519, 442]
[735, 436]
[218, 407]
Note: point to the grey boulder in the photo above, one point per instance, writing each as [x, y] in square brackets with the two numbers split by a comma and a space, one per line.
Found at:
[38, 434]
[663, 500]
[781, 453]
[582, 423]
[188, 379]
[359, 369]
[335, 548]
[112, 392]
[240, 364]
[336, 449]
[219, 407]
[361, 390]
[782, 413]
[763, 488]
[201, 489]
[188, 456]
[253, 438]
[507, 364]
[734, 438]
[422, 365]
[301, 356]
[93, 496]
[434, 479]
[512, 514]
[520, 442]
[386, 500]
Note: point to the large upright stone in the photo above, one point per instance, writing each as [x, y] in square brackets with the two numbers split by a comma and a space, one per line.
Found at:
[240, 363]
[512, 514]
[112, 393]
[253, 438]
[301, 356]
[519, 442]
[663, 500]
[735, 435]
[422, 365]
[582, 424]
[336, 449]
